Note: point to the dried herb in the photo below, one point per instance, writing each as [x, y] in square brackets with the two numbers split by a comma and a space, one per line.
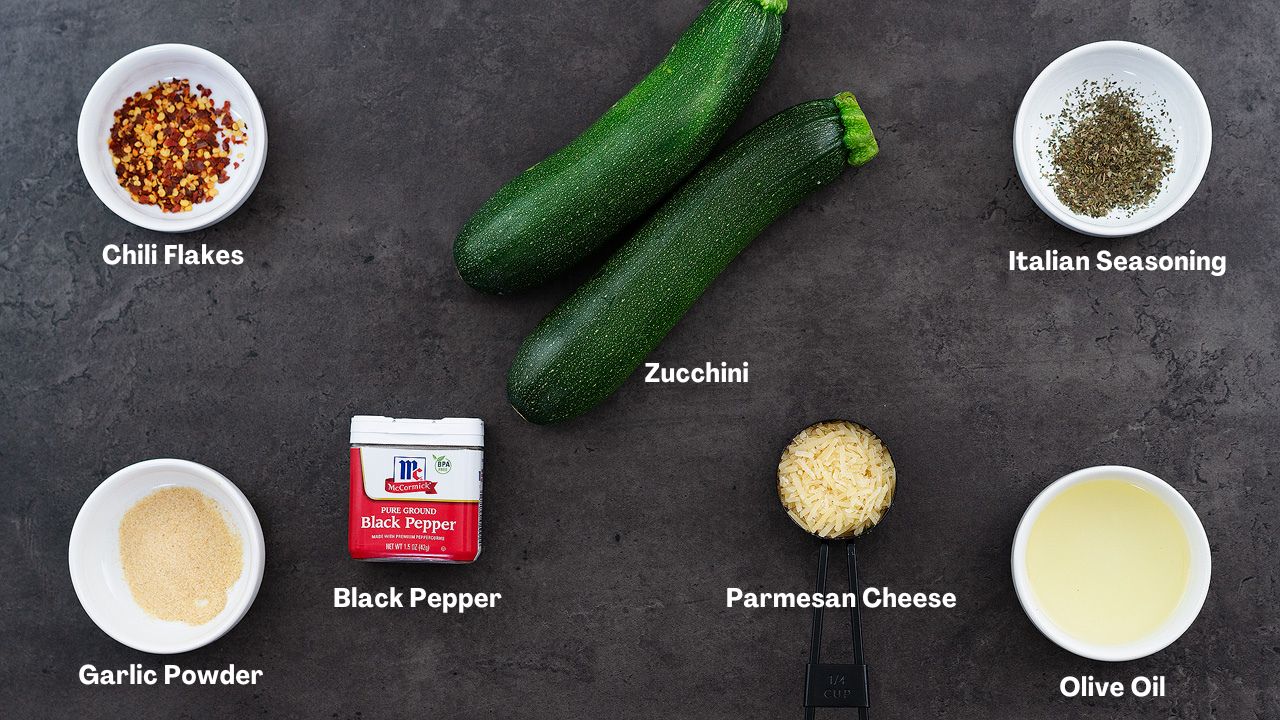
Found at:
[1106, 152]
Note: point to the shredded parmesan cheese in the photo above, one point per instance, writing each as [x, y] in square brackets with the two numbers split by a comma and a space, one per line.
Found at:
[836, 479]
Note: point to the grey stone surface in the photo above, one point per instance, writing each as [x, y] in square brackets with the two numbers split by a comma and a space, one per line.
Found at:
[613, 538]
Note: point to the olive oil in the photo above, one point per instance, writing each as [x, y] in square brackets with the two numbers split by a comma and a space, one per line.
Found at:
[1108, 561]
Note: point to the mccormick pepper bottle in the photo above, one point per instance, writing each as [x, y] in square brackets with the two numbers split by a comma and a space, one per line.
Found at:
[415, 489]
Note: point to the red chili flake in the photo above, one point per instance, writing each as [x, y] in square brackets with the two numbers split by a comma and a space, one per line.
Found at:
[170, 145]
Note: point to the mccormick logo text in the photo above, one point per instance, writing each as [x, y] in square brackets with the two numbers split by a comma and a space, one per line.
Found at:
[408, 475]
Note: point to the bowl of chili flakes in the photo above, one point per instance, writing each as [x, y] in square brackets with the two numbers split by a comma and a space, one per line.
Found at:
[172, 138]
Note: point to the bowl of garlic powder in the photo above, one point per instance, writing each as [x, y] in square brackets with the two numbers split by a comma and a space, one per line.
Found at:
[166, 556]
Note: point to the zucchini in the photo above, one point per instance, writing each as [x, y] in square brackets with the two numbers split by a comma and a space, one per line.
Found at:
[588, 346]
[564, 208]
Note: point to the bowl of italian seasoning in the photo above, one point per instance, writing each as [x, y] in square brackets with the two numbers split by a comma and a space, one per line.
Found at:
[172, 138]
[1112, 139]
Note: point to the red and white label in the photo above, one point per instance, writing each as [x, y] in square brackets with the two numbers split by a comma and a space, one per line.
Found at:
[415, 504]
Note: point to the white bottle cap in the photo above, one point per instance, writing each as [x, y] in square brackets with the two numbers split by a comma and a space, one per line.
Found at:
[447, 432]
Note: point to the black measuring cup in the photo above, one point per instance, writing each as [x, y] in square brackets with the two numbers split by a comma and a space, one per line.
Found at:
[838, 685]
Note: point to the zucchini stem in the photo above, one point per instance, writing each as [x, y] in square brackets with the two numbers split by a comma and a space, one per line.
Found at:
[859, 140]
[774, 6]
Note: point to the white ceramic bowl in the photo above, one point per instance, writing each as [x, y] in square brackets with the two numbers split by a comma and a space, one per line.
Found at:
[1154, 77]
[98, 577]
[140, 70]
[1192, 598]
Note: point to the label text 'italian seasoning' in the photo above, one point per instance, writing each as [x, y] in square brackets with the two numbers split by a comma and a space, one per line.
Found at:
[1107, 261]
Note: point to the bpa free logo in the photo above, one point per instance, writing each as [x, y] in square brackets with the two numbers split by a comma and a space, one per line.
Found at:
[443, 464]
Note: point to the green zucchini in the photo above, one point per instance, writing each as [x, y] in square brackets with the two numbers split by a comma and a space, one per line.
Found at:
[561, 210]
[588, 346]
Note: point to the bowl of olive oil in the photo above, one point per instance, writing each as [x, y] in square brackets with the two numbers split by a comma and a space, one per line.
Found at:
[1111, 563]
